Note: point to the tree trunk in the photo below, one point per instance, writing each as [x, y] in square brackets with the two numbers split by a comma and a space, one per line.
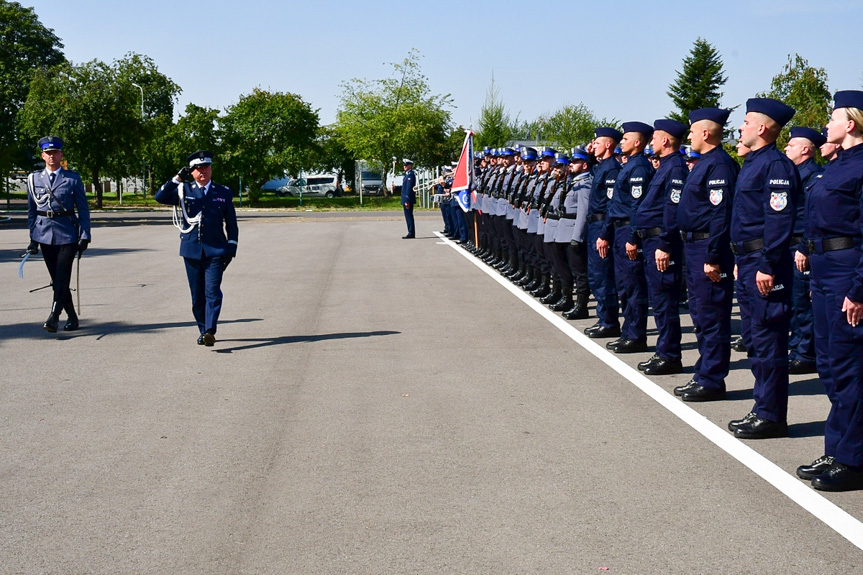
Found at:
[97, 185]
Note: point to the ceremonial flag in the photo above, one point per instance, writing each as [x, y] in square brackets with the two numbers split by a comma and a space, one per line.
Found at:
[462, 180]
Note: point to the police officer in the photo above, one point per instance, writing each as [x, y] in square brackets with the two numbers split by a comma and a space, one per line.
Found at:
[834, 242]
[572, 230]
[554, 251]
[656, 222]
[704, 218]
[630, 187]
[409, 197]
[801, 347]
[600, 267]
[53, 196]
[761, 226]
[207, 216]
[530, 175]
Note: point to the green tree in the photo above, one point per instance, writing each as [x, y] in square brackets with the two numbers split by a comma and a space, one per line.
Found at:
[265, 134]
[804, 88]
[96, 115]
[170, 144]
[394, 117]
[568, 127]
[25, 45]
[699, 82]
[495, 126]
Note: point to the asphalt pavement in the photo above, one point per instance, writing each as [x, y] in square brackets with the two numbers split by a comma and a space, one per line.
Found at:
[372, 405]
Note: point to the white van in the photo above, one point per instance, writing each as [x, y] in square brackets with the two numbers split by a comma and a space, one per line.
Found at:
[314, 185]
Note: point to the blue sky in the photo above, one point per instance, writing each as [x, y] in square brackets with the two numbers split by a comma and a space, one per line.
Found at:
[616, 58]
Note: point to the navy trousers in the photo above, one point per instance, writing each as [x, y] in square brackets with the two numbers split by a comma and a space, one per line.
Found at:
[632, 287]
[409, 219]
[663, 290]
[802, 343]
[600, 277]
[205, 281]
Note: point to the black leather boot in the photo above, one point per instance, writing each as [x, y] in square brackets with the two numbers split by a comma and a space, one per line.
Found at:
[579, 310]
[527, 279]
[565, 301]
[543, 289]
[53, 320]
[554, 294]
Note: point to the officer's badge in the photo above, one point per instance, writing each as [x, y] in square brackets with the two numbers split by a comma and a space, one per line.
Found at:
[675, 196]
[609, 192]
[715, 197]
[636, 192]
[778, 200]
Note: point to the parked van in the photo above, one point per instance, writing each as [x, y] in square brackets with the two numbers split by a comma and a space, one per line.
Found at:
[314, 185]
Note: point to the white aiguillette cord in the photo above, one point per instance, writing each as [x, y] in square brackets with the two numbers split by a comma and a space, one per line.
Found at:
[193, 222]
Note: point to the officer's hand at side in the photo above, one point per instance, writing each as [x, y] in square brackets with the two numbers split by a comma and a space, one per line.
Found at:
[184, 174]
[801, 261]
[32, 248]
[631, 251]
[853, 311]
[82, 245]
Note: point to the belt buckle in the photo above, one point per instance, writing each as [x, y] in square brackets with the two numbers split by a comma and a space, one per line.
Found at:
[682, 235]
[810, 246]
[50, 213]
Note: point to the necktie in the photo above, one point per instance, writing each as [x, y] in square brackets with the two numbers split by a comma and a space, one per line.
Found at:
[51, 178]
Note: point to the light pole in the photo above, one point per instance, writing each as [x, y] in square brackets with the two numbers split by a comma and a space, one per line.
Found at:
[143, 168]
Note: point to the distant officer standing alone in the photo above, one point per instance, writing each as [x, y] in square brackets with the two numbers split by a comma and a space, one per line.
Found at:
[409, 197]
[207, 216]
[53, 196]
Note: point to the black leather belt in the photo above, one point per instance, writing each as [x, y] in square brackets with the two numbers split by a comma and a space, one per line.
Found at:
[620, 223]
[693, 236]
[650, 232]
[795, 240]
[829, 245]
[597, 217]
[553, 217]
[569, 216]
[56, 214]
[743, 248]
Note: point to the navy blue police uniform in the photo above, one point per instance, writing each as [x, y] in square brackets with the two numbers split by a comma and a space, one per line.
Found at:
[704, 219]
[208, 240]
[409, 197]
[761, 225]
[630, 186]
[656, 222]
[600, 271]
[834, 242]
[59, 221]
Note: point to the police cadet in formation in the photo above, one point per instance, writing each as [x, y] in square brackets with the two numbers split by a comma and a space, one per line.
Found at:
[441, 193]
[571, 238]
[551, 216]
[485, 203]
[600, 267]
[620, 237]
[207, 216]
[540, 288]
[834, 245]
[53, 196]
[704, 219]
[409, 197]
[503, 211]
[656, 223]
[516, 266]
[522, 198]
[801, 345]
[495, 257]
[761, 226]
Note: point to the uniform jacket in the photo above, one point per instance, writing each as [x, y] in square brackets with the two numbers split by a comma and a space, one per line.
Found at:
[218, 218]
[658, 209]
[573, 223]
[68, 195]
[409, 196]
[604, 177]
[629, 188]
[809, 172]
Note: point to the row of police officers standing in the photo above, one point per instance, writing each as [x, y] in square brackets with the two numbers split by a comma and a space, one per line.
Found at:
[564, 226]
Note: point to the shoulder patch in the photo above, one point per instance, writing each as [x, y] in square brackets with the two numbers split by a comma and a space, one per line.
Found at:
[780, 182]
[716, 183]
[778, 200]
[675, 196]
[716, 196]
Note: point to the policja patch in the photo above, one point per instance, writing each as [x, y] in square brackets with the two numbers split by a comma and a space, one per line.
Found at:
[778, 200]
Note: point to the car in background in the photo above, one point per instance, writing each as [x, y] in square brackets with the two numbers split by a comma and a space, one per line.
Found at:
[275, 185]
[314, 185]
[372, 183]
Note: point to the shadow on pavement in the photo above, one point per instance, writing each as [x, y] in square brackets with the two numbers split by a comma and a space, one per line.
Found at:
[811, 429]
[287, 339]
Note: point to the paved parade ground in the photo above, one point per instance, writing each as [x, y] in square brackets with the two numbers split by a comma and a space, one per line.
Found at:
[373, 405]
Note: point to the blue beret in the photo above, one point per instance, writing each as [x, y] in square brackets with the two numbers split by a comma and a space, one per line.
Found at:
[49, 143]
[780, 113]
[693, 155]
[813, 136]
[672, 127]
[561, 159]
[200, 158]
[548, 152]
[608, 133]
[848, 99]
[645, 129]
[713, 114]
[528, 153]
[617, 150]
[579, 153]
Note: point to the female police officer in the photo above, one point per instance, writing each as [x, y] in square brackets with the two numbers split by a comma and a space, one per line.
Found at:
[53, 196]
[834, 242]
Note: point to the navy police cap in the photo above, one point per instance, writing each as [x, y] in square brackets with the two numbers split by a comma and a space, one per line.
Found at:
[49, 143]
[848, 99]
[716, 115]
[561, 159]
[200, 158]
[579, 153]
[693, 155]
[548, 152]
[608, 133]
[507, 152]
[778, 111]
[529, 154]
[640, 127]
[671, 127]
[813, 136]
[486, 151]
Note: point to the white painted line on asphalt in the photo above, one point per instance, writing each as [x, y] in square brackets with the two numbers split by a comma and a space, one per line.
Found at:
[795, 489]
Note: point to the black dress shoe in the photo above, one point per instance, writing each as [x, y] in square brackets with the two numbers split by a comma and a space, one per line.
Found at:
[735, 423]
[201, 339]
[839, 477]
[408, 237]
[209, 338]
[760, 428]
[816, 468]
[642, 365]
[630, 346]
[577, 312]
[71, 324]
[700, 393]
[603, 332]
[737, 344]
[613, 343]
[664, 367]
[593, 328]
[800, 366]
[681, 389]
